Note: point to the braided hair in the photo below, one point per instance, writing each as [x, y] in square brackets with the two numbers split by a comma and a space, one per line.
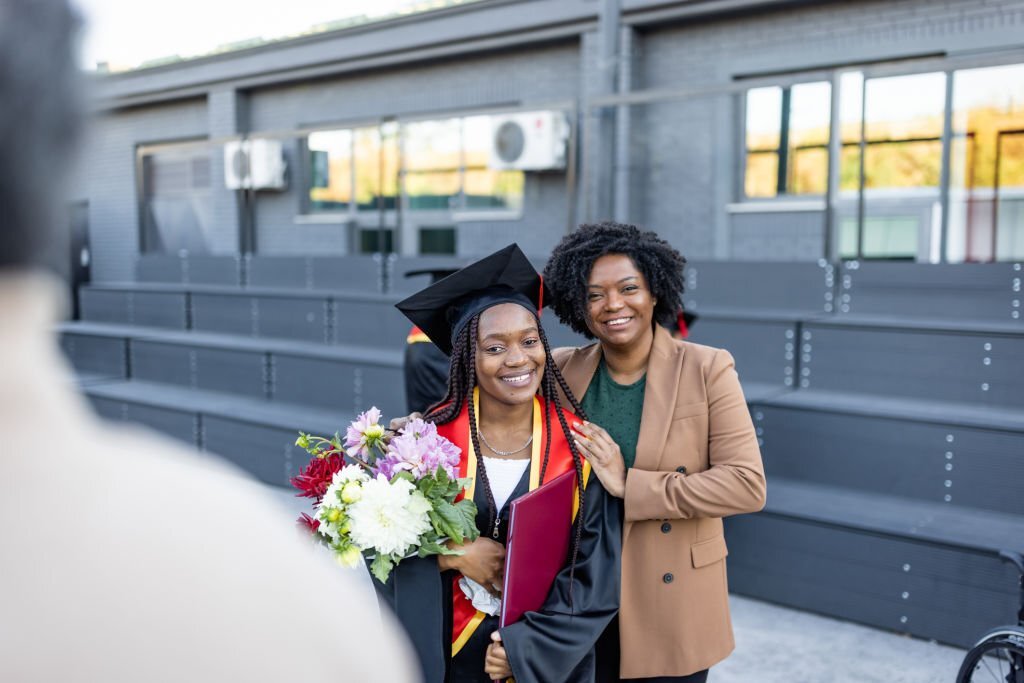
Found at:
[462, 380]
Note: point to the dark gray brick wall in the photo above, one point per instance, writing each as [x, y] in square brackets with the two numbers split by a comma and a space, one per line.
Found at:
[108, 164]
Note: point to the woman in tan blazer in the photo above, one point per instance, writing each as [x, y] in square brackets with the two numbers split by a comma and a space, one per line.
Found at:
[670, 435]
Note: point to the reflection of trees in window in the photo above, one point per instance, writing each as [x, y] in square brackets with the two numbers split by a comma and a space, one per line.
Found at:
[787, 140]
[330, 155]
[375, 155]
[987, 164]
[444, 166]
[432, 158]
[903, 121]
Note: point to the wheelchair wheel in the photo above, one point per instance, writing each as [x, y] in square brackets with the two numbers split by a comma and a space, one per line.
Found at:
[996, 659]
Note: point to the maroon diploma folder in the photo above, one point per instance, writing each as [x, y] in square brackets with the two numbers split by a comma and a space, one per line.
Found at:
[538, 545]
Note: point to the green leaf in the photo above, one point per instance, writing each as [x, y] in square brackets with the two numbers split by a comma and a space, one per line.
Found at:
[431, 547]
[403, 475]
[442, 476]
[445, 550]
[426, 486]
[437, 523]
[452, 521]
[467, 515]
[381, 567]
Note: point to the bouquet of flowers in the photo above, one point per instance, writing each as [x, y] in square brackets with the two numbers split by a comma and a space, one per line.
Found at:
[385, 499]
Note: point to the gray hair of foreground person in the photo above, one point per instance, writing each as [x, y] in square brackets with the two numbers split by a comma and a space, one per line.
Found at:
[127, 557]
[40, 119]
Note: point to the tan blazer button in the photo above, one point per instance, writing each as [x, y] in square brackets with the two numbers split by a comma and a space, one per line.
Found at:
[681, 470]
[668, 578]
[666, 527]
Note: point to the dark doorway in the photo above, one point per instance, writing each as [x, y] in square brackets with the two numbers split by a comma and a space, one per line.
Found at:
[81, 254]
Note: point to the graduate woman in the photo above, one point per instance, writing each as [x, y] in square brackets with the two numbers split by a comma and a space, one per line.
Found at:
[670, 434]
[502, 408]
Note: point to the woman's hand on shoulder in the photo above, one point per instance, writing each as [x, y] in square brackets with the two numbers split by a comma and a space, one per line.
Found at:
[604, 456]
[482, 560]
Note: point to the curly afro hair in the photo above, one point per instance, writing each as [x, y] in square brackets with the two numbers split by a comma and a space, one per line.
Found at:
[568, 270]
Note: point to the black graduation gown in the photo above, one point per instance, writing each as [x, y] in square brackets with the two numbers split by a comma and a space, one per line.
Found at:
[552, 645]
[426, 375]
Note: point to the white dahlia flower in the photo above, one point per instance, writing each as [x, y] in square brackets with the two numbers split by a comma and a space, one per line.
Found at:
[388, 517]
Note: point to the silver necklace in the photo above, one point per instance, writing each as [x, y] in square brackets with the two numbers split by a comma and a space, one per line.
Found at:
[497, 452]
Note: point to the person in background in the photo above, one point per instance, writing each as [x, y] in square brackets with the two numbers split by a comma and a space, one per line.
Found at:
[126, 558]
[424, 365]
[669, 432]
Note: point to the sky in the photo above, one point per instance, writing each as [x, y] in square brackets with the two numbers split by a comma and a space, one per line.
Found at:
[125, 33]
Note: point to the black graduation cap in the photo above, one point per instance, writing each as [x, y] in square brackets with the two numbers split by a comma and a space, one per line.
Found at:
[442, 309]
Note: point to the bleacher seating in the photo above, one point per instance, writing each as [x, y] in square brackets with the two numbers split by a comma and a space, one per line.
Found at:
[238, 369]
[893, 455]
[887, 397]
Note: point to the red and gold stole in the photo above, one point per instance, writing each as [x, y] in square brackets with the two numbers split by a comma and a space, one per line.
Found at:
[465, 617]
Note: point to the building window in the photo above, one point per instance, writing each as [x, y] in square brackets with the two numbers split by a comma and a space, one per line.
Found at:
[432, 162]
[435, 165]
[331, 180]
[986, 194]
[375, 159]
[369, 241]
[890, 201]
[437, 240]
[176, 198]
[787, 136]
[891, 164]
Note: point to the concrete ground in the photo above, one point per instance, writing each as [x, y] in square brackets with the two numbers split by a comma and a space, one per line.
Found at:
[780, 645]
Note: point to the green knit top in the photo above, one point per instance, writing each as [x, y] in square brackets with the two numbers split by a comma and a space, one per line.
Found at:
[617, 408]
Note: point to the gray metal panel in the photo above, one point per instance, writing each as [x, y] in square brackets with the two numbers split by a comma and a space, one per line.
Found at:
[346, 386]
[159, 268]
[267, 453]
[108, 409]
[293, 272]
[293, 318]
[160, 309]
[894, 457]
[914, 363]
[153, 361]
[96, 355]
[963, 291]
[764, 351]
[105, 306]
[181, 425]
[356, 273]
[757, 286]
[215, 270]
[926, 590]
[235, 314]
[232, 371]
[369, 322]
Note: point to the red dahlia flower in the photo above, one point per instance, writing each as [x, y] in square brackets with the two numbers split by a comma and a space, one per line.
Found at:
[313, 480]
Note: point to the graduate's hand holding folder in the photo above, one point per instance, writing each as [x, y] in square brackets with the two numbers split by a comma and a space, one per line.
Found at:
[540, 524]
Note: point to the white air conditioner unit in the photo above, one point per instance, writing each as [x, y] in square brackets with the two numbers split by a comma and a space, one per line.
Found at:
[529, 141]
[254, 164]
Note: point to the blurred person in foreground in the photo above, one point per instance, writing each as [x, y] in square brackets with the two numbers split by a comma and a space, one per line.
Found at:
[126, 558]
